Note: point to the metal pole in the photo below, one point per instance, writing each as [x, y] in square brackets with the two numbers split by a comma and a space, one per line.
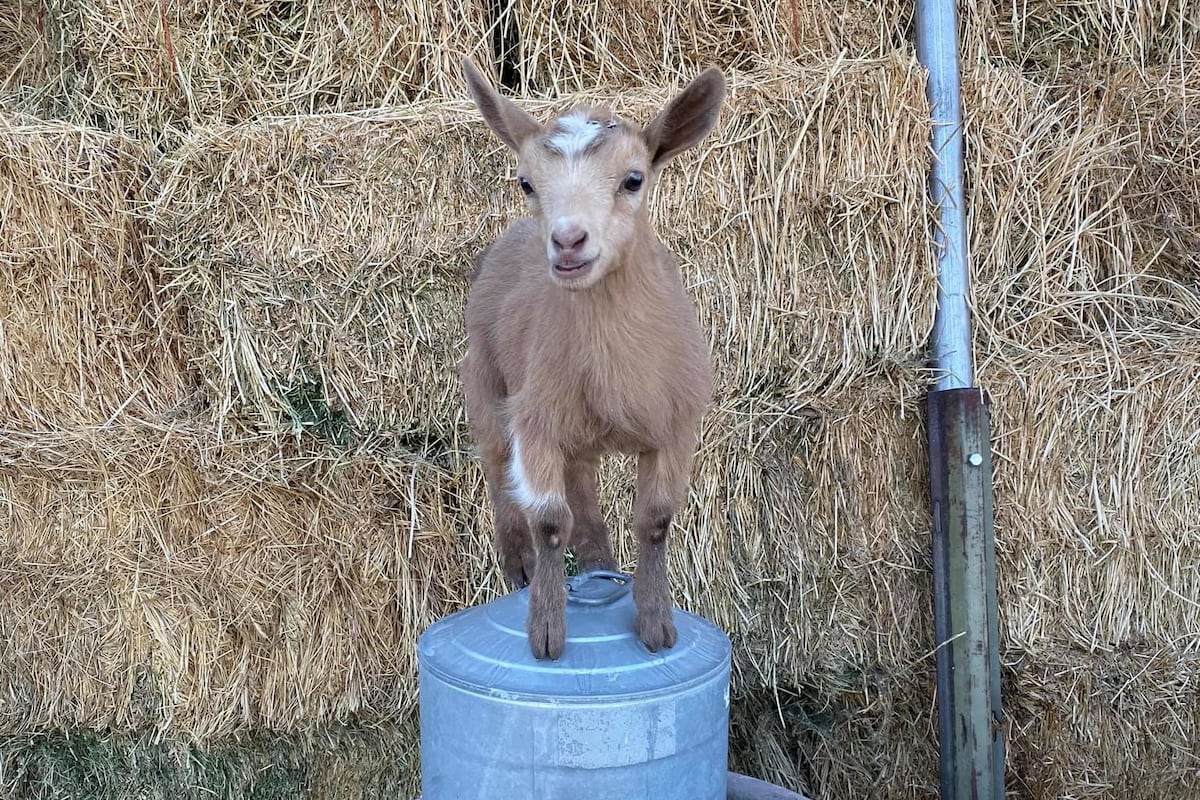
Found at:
[970, 716]
[937, 49]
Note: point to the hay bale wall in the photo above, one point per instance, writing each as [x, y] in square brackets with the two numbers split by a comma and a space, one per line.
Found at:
[234, 476]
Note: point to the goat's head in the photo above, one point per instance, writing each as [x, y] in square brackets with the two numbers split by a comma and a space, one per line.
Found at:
[587, 175]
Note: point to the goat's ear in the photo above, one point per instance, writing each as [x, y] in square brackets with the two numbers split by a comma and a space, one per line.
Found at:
[510, 123]
[687, 119]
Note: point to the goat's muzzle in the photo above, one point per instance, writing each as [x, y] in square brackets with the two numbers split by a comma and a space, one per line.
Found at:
[573, 268]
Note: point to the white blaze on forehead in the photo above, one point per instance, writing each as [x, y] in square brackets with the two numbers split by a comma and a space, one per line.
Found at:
[574, 133]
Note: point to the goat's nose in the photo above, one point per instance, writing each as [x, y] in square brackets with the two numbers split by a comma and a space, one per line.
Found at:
[568, 237]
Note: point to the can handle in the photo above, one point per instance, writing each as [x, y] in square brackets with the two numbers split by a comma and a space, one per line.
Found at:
[586, 589]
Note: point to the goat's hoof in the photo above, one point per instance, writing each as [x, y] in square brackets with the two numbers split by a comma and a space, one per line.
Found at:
[515, 578]
[547, 623]
[656, 630]
[547, 638]
[518, 569]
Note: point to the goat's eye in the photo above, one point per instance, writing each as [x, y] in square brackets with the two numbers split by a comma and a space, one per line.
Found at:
[633, 181]
[526, 186]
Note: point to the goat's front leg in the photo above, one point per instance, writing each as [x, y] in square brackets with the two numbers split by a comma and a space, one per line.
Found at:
[536, 473]
[662, 480]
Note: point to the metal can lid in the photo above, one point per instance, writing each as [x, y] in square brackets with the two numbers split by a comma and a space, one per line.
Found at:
[484, 649]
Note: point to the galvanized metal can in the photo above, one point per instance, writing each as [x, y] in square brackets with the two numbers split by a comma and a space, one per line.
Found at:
[607, 721]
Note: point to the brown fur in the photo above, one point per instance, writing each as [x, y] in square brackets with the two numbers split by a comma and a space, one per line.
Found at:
[575, 370]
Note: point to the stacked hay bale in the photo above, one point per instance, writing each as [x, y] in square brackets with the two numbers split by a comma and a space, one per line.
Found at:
[156, 69]
[1088, 309]
[1050, 34]
[81, 340]
[234, 477]
[162, 580]
[323, 263]
[635, 42]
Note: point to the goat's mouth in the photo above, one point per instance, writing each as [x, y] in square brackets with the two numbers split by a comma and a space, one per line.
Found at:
[573, 270]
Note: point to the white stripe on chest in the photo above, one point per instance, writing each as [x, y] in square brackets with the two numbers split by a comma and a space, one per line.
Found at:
[522, 490]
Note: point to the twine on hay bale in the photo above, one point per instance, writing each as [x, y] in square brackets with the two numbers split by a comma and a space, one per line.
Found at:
[81, 339]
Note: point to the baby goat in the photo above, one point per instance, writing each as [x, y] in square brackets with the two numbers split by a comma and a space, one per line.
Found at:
[582, 342]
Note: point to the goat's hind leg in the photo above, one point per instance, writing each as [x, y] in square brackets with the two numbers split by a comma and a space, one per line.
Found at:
[589, 534]
[485, 392]
[662, 481]
[514, 545]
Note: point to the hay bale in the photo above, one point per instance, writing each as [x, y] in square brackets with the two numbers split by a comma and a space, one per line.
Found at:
[154, 69]
[221, 574]
[158, 581]
[802, 228]
[804, 525]
[1099, 471]
[82, 336]
[24, 57]
[1051, 34]
[1081, 203]
[1155, 114]
[337, 763]
[632, 42]
[1102, 724]
[323, 263]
